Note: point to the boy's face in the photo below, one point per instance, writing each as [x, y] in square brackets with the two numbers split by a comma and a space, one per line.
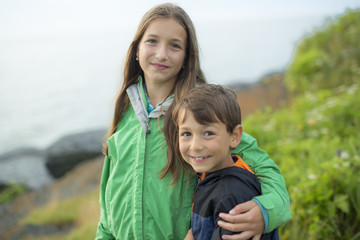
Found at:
[208, 147]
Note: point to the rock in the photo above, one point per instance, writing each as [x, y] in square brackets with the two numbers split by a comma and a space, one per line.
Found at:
[68, 151]
[23, 151]
[24, 166]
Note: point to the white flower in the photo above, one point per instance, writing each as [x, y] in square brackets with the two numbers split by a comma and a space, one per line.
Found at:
[324, 131]
[331, 102]
[352, 89]
[346, 164]
[314, 133]
[270, 125]
[311, 176]
[344, 155]
[311, 97]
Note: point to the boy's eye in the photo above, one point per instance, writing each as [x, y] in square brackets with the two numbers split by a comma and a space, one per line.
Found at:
[208, 133]
[185, 134]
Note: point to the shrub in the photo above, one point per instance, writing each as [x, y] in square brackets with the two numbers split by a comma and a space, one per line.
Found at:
[329, 58]
[316, 144]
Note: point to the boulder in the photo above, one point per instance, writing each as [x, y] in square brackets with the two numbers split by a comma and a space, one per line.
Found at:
[24, 166]
[68, 151]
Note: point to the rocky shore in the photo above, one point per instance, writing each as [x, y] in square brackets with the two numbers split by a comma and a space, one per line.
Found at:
[69, 167]
[35, 168]
[82, 179]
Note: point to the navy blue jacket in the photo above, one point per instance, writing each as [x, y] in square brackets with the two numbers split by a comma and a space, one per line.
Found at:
[220, 191]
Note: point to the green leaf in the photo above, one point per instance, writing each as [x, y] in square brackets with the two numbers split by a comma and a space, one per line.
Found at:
[341, 202]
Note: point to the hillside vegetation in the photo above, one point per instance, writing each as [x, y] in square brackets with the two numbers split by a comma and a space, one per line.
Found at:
[315, 141]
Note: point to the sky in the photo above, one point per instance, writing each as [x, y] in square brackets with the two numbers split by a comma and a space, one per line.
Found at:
[229, 31]
[33, 17]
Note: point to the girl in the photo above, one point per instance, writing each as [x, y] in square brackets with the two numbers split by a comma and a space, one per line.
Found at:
[161, 65]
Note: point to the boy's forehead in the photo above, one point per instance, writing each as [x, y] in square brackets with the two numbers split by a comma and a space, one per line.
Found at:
[182, 114]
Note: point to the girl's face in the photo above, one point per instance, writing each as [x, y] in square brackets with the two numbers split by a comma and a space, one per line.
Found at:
[161, 51]
[206, 148]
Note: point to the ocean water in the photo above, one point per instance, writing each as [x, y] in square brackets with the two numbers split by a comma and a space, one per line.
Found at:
[57, 84]
[54, 86]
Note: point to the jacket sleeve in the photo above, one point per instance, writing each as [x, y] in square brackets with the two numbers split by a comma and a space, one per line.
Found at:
[224, 204]
[275, 198]
[103, 232]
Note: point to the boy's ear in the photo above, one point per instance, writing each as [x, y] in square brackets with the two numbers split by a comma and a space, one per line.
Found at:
[236, 136]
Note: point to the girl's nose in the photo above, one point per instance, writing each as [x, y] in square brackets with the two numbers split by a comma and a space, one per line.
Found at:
[161, 52]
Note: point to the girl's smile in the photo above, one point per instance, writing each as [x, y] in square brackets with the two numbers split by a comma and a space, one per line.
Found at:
[159, 66]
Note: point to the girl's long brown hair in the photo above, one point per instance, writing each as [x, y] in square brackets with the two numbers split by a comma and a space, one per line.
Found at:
[190, 75]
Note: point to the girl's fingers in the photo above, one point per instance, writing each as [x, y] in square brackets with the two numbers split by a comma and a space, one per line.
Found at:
[257, 237]
[243, 207]
[239, 218]
[240, 236]
[232, 227]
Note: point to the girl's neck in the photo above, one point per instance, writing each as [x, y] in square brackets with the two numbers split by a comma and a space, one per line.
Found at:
[157, 93]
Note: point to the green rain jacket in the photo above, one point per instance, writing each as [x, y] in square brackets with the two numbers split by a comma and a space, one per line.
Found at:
[136, 204]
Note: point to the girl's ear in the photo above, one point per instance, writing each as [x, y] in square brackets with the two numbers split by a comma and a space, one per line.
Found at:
[236, 136]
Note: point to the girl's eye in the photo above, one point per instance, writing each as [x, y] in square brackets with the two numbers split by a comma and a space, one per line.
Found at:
[151, 41]
[174, 45]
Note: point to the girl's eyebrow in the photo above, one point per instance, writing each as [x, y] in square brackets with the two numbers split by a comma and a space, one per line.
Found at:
[177, 40]
[151, 35]
[156, 36]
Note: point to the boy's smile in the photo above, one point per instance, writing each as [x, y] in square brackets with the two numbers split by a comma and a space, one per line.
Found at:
[206, 148]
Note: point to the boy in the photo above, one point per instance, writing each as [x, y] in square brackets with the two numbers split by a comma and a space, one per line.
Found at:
[208, 121]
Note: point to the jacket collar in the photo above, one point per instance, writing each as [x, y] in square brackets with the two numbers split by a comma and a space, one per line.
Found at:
[139, 103]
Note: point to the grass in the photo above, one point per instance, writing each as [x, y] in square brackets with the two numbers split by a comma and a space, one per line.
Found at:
[10, 192]
[82, 212]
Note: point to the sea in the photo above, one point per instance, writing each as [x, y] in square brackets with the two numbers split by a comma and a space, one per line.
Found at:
[54, 84]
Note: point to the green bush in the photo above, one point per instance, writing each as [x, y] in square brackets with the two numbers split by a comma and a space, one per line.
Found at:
[315, 140]
[316, 144]
[328, 58]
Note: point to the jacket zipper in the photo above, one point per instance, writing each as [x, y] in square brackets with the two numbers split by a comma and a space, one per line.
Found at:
[143, 182]
[147, 128]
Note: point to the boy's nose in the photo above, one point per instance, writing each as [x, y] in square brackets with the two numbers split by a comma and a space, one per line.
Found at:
[196, 144]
